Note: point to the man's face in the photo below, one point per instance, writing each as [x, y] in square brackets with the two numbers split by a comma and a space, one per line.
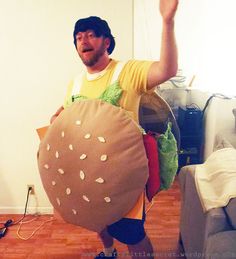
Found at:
[90, 47]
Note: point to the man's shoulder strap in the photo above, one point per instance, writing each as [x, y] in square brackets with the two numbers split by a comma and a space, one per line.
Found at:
[118, 69]
[77, 83]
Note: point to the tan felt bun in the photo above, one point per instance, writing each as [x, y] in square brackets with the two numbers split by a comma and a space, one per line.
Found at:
[93, 164]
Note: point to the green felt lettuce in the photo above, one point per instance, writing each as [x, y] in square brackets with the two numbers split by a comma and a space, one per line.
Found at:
[168, 158]
[111, 95]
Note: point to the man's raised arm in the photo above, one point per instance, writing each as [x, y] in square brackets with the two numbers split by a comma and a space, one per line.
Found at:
[161, 71]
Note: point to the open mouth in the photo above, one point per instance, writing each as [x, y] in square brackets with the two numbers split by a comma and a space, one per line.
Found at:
[87, 50]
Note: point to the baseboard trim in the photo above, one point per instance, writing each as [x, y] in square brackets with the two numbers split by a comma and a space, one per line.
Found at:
[30, 210]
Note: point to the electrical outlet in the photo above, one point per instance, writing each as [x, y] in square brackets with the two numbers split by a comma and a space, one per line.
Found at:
[32, 188]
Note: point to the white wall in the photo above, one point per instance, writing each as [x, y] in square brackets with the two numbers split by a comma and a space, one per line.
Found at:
[148, 25]
[37, 61]
[147, 29]
[219, 120]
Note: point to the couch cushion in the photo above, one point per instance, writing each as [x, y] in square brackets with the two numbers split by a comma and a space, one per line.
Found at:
[230, 210]
[221, 245]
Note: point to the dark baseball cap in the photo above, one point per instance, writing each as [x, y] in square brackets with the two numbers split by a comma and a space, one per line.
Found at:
[99, 26]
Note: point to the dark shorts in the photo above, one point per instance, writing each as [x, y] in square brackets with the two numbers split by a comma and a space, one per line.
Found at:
[128, 231]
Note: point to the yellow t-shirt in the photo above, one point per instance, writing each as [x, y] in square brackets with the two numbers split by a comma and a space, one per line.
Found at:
[133, 81]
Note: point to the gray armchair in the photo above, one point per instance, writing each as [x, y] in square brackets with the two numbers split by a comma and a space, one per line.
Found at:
[208, 235]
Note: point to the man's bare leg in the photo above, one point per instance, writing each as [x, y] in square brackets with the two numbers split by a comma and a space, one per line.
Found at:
[107, 241]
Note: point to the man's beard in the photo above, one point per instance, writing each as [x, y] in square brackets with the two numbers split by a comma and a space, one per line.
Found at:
[95, 57]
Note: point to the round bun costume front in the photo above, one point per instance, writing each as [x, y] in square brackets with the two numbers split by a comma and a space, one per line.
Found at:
[93, 164]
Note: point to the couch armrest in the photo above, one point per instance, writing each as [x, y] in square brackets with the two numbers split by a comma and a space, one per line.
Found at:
[195, 225]
[192, 218]
[216, 221]
[186, 179]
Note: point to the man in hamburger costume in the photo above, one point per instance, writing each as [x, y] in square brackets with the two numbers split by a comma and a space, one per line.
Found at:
[92, 159]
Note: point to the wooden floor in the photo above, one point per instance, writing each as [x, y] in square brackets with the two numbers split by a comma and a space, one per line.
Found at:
[59, 240]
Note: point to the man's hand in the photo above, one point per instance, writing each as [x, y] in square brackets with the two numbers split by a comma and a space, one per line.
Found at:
[56, 114]
[168, 9]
